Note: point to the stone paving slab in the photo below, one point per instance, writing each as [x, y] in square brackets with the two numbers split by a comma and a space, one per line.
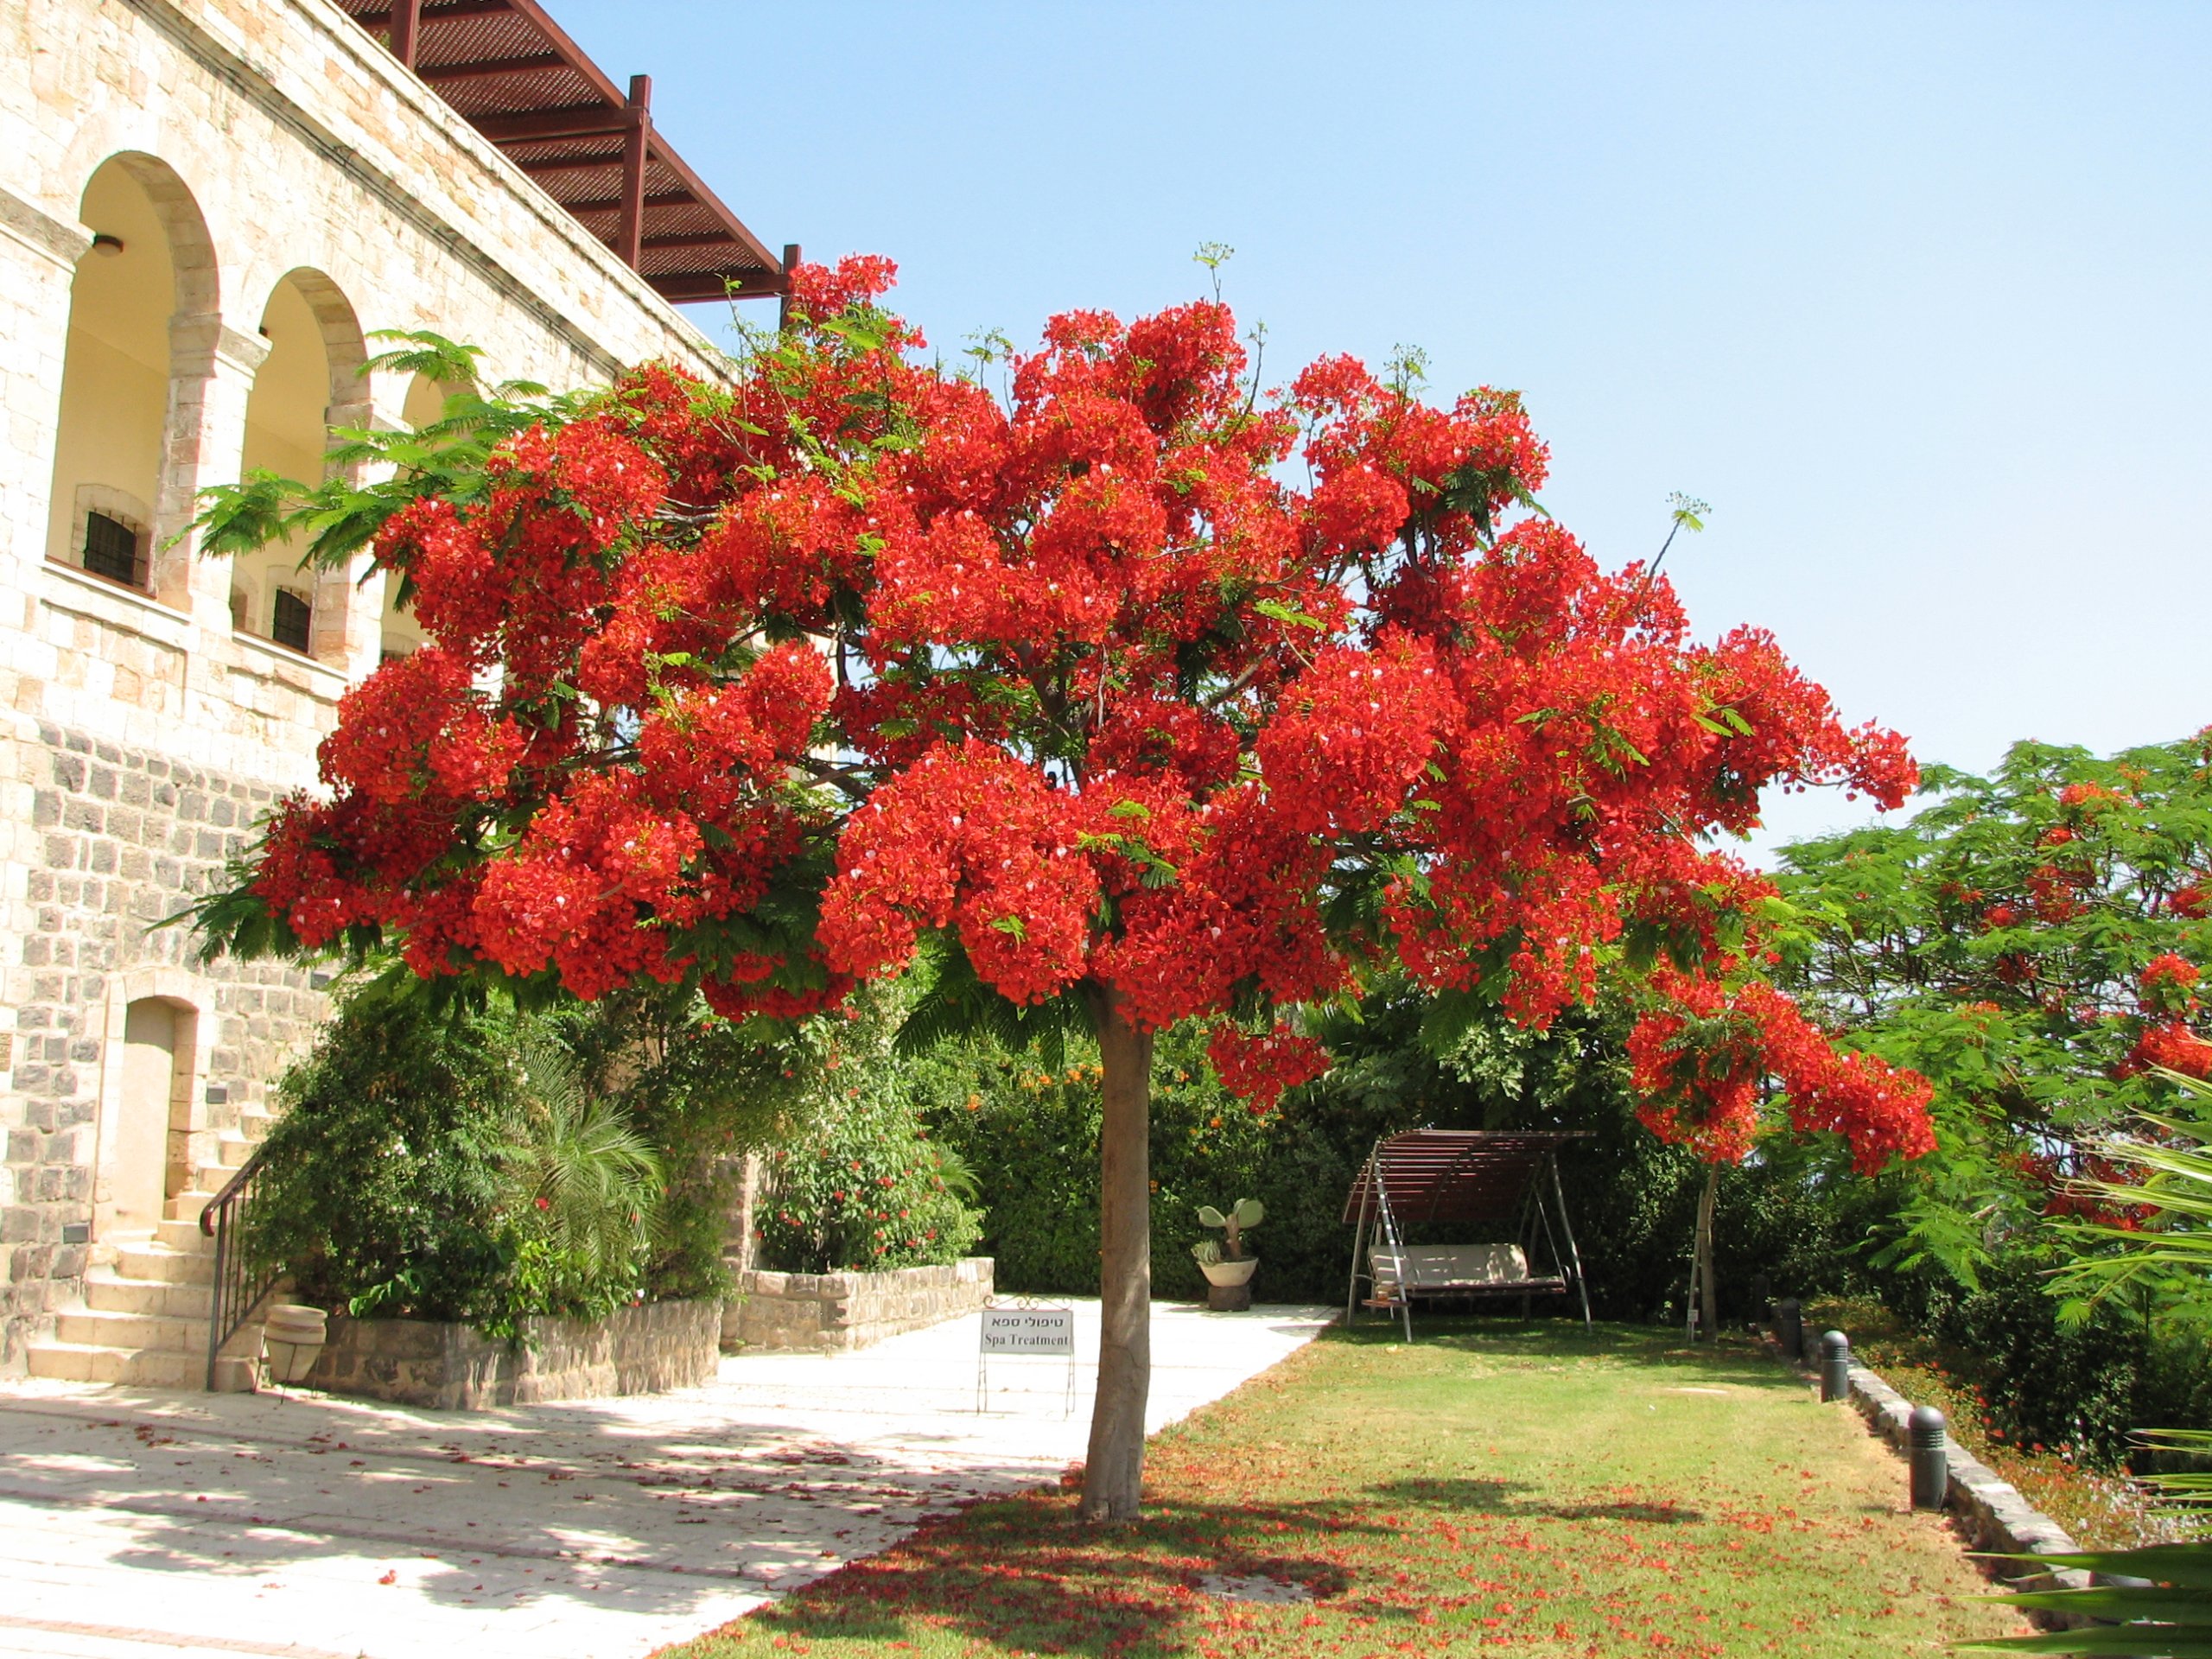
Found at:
[135, 1523]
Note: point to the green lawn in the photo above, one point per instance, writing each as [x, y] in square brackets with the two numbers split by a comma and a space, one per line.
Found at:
[1497, 1486]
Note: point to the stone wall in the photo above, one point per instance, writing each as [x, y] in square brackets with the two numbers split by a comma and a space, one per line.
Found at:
[124, 838]
[451, 1368]
[827, 1312]
[276, 143]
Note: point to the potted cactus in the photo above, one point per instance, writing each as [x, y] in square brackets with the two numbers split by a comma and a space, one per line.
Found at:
[1228, 1269]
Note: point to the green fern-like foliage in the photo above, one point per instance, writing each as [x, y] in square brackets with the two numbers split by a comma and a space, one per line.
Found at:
[337, 517]
[2170, 1252]
[576, 1174]
[2163, 1611]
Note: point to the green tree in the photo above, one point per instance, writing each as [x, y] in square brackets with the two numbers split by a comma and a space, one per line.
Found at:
[1998, 944]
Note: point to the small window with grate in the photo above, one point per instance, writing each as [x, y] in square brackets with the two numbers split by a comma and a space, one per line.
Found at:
[291, 620]
[111, 550]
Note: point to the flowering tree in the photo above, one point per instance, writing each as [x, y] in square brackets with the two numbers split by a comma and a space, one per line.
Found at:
[2033, 943]
[1087, 697]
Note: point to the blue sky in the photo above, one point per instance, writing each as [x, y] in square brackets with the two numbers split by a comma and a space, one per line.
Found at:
[1918, 297]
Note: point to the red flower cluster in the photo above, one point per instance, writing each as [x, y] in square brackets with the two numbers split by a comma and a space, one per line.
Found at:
[2063, 1199]
[2166, 991]
[1261, 1069]
[1702, 1059]
[1079, 683]
[2166, 978]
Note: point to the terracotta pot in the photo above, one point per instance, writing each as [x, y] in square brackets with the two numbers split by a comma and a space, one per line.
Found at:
[292, 1335]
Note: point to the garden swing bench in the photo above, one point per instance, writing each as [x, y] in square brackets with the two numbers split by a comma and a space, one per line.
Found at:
[1471, 1177]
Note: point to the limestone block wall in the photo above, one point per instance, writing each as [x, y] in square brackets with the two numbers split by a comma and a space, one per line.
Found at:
[273, 147]
[643, 1350]
[831, 1312]
[125, 835]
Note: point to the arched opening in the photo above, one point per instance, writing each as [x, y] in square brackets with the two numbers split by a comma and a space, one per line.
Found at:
[308, 383]
[116, 369]
[402, 636]
[154, 1109]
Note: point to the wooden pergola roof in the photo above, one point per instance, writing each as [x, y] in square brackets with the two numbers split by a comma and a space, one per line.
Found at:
[1472, 1175]
[509, 69]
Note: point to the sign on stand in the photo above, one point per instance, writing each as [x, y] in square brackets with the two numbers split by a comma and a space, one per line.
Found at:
[1017, 1328]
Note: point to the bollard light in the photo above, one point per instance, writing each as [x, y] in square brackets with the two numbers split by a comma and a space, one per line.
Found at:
[1835, 1366]
[1789, 1326]
[1930, 1458]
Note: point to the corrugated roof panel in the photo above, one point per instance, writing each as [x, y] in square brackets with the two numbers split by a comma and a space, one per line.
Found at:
[510, 70]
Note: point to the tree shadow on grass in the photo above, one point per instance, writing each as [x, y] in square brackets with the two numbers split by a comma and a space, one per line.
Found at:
[1019, 1573]
[1496, 1497]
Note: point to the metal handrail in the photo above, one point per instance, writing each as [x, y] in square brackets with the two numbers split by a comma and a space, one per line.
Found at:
[237, 1290]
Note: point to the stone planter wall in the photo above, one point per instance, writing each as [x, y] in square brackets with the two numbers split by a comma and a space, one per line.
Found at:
[452, 1368]
[827, 1313]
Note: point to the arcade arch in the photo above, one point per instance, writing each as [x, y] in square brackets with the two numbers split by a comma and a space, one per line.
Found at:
[309, 383]
[401, 635]
[150, 267]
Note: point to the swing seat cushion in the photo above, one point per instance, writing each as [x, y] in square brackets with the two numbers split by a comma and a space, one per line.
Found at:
[1450, 1267]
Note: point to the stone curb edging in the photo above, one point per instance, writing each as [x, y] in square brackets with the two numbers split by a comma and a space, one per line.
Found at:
[1995, 1516]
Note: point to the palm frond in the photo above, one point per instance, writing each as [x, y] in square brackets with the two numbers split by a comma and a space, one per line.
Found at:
[2160, 1597]
[575, 1165]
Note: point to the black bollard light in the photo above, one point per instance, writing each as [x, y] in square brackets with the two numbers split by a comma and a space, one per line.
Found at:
[1835, 1366]
[1930, 1458]
[1789, 1326]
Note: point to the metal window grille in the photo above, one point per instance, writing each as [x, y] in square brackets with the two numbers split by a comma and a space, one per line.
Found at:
[291, 620]
[111, 550]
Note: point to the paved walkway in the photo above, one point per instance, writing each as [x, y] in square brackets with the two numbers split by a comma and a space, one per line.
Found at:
[133, 1523]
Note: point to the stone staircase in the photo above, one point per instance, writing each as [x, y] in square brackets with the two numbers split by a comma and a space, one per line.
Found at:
[143, 1318]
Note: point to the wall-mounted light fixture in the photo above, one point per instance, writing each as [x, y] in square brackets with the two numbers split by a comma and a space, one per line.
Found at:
[105, 246]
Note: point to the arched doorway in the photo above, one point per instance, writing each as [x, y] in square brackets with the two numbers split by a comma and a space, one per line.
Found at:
[153, 1113]
[115, 374]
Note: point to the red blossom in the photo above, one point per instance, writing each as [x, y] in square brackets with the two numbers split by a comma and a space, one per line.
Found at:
[1082, 685]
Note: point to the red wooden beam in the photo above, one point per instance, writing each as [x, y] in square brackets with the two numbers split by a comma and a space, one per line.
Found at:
[630, 232]
[692, 239]
[537, 164]
[570, 121]
[693, 287]
[784, 310]
[490, 68]
[440, 11]
[401, 25]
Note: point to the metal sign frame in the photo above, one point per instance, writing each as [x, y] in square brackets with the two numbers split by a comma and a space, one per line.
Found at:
[1020, 1304]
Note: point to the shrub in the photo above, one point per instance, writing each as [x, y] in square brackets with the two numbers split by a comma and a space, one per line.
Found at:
[380, 1184]
[863, 1185]
[578, 1187]
[866, 1190]
[442, 1162]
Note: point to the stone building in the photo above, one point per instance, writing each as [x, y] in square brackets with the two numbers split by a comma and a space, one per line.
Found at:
[208, 207]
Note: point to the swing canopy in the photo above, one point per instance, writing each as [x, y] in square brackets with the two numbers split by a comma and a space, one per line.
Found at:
[1492, 1179]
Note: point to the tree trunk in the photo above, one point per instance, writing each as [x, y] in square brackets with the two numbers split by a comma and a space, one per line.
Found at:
[1708, 1292]
[748, 1193]
[1113, 1472]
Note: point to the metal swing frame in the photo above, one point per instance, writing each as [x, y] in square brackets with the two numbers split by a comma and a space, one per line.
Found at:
[1462, 1175]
